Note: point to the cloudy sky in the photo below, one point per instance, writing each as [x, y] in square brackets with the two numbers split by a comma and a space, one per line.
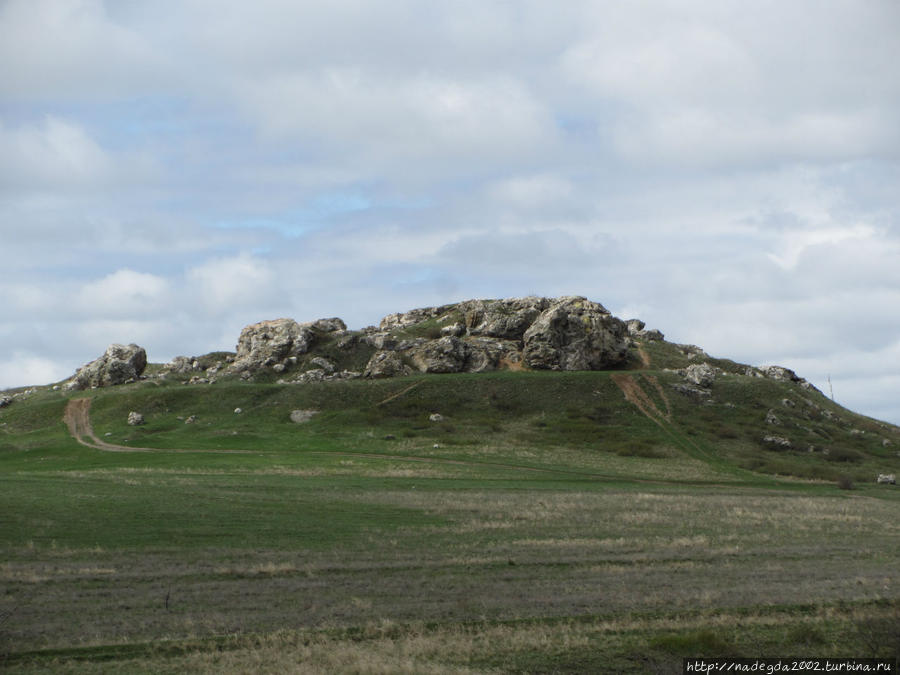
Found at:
[171, 171]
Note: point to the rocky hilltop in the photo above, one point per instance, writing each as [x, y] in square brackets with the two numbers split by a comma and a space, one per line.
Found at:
[569, 333]
[531, 333]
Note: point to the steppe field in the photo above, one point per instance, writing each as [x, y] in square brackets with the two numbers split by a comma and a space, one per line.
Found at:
[544, 523]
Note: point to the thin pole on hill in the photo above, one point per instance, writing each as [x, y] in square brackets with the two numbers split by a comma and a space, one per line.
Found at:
[830, 388]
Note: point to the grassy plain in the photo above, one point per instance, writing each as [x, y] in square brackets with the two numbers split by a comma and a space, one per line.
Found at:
[544, 524]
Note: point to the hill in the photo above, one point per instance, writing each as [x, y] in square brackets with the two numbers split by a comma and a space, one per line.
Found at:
[529, 485]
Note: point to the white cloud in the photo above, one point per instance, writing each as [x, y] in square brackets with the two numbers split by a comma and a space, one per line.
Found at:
[96, 334]
[532, 191]
[385, 121]
[24, 368]
[793, 243]
[55, 153]
[124, 293]
[51, 48]
[230, 284]
[723, 84]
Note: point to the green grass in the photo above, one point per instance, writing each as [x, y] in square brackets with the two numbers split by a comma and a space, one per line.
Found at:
[545, 524]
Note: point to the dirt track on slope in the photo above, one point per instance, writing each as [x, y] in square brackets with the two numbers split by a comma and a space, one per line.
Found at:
[635, 395]
[78, 419]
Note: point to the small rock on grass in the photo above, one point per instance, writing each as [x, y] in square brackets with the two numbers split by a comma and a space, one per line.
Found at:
[301, 416]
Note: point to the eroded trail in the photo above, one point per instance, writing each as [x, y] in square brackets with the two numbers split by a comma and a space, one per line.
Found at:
[78, 419]
[635, 395]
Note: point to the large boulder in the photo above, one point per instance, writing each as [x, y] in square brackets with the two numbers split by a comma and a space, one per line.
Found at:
[274, 343]
[385, 363]
[507, 319]
[118, 365]
[636, 328]
[780, 373]
[701, 374]
[575, 334]
[445, 355]
[483, 354]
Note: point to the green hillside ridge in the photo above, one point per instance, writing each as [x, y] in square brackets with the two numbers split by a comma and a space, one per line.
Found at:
[519, 519]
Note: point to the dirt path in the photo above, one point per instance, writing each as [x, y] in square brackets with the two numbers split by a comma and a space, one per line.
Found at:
[645, 357]
[78, 418]
[398, 394]
[638, 397]
[662, 394]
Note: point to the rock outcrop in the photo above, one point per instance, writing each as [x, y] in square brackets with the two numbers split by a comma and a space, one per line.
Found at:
[569, 333]
[118, 365]
[277, 344]
[701, 374]
[636, 328]
[385, 363]
[575, 334]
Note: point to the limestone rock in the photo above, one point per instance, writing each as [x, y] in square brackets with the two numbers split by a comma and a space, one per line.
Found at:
[575, 334]
[692, 390]
[778, 442]
[435, 417]
[323, 364]
[118, 365]
[484, 354]
[181, 365]
[404, 319]
[506, 319]
[692, 351]
[454, 330]
[279, 342]
[636, 328]
[780, 373]
[445, 355]
[701, 374]
[301, 416]
[887, 479]
[135, 418]
[331, 325]
[191, 419]
[5, 401]
[386, 363]
[269, 342]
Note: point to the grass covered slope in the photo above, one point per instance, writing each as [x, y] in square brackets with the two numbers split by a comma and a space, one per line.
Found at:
[546, 522]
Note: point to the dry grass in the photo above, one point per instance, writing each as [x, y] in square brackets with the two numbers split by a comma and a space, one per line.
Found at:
[384, 646]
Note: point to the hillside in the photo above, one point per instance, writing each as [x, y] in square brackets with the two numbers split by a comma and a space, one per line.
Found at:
[529, 485]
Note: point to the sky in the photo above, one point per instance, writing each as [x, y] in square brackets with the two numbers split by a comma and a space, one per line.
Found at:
[729, 172]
